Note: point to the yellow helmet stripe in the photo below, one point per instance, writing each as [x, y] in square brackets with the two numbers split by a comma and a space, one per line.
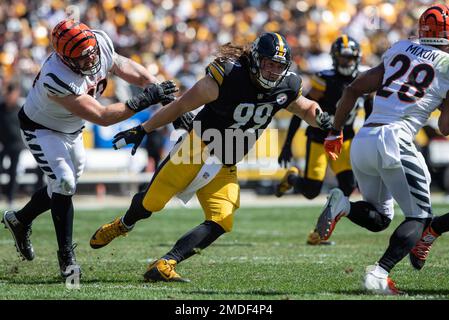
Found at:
[345, 40]
[281, 51]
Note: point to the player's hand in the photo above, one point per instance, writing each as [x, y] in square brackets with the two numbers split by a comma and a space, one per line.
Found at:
[185, 121]
[154, 93]
[131, 136]
[286, 155]
[323, 120]
[333, 144]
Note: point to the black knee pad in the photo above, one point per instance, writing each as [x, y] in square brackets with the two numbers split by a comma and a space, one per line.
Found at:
[365, 214]
[382, 223]
[311, 188]
[346, 182]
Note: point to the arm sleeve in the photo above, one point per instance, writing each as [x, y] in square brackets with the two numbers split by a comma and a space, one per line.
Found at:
[295, 123]
[318, 83]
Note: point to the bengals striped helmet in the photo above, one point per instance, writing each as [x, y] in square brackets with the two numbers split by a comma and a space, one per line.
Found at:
[434, 25]
[274, 47]
[77, 46]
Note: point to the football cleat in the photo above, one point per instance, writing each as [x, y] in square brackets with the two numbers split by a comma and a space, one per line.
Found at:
[420, 251]
[337, 206]
[285, 185]
[314, 239]
[67, 262]
[378, 282]
[163, 270]
[21, 234]
[108, 232]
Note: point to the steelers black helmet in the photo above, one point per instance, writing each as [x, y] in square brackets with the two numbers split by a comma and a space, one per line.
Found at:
[268, 47]
[346, 55]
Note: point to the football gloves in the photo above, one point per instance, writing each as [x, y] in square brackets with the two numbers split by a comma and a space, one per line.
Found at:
[333, 144]
[286, 154]
[131, 136]
[323, 120]
[185, 121]
[153, 94]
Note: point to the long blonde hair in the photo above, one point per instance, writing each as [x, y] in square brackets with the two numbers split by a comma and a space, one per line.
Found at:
[232, 52]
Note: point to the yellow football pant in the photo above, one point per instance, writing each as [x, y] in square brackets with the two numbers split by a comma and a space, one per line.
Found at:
[317, 160]
[220, 198]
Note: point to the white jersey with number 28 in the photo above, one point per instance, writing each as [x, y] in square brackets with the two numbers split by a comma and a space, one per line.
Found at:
[415, 82]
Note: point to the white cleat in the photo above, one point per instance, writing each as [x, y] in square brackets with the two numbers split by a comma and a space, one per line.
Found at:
[337, 206]
[377, 281]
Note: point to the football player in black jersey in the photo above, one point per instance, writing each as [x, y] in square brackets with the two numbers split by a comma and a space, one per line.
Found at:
[327, 88]
[243, 89]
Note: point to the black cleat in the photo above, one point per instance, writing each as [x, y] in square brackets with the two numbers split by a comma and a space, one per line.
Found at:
[67, 262]
[21, 234]
[418, 255]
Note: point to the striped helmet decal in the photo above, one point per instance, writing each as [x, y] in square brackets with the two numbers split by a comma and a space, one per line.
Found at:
[280, 51]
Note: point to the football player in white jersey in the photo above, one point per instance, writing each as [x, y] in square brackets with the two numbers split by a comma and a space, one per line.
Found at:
[410, 83]
[62, 97]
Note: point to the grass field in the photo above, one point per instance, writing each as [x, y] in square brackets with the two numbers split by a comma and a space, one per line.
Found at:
[265, 257]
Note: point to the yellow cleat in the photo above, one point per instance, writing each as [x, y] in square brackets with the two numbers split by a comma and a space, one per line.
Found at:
[163, 270]
[108, 232]
[284, 185]
[314, 239]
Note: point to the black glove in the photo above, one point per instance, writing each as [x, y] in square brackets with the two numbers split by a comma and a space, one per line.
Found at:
[184, 122]
[323, 120]
[131, 136]
[154, 93]
[286, 154]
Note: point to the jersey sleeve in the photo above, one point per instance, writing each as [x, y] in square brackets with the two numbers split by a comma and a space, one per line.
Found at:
[318, 82]
[55, 85]
[216, 71]
[390, 52]
[295, 84]
[294, 88]
[106, 47]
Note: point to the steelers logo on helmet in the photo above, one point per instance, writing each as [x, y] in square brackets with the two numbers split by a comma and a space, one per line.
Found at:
[270, 60]
[77, 47]
[346, 55]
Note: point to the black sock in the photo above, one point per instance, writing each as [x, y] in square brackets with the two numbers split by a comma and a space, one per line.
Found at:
[62, 214]
[38, 204]
[365, 215]
[440, 224]
[346, 182]
[402, 241]
[199, 237]
[136, 210]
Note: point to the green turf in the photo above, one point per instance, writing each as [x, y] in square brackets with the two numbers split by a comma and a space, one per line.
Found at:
[265, 257]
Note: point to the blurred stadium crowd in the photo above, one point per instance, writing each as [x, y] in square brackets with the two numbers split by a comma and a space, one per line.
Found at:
[176, 39]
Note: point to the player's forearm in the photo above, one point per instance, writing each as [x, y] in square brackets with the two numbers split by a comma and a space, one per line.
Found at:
[133, 72]
[113, 113]
[169, 113]
[310, 115]
[344, 107]
[203, 92]
[163, 117]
